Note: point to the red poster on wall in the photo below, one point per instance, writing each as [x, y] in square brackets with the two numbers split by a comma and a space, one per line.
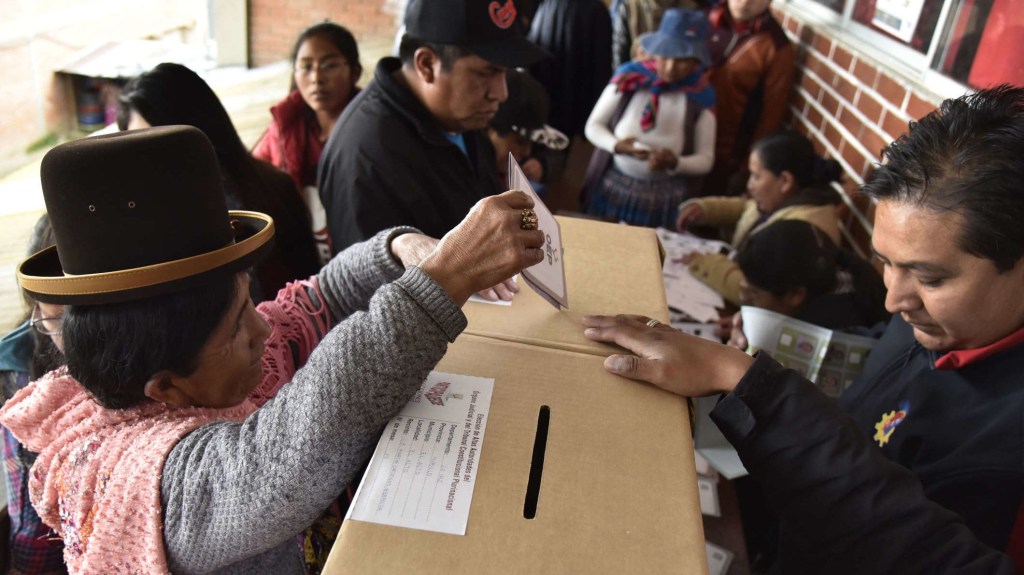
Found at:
[999, 58]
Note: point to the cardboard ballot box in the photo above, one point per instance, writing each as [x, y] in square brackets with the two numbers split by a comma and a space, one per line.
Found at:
[617, 491]
[616, 495]
[609, 269]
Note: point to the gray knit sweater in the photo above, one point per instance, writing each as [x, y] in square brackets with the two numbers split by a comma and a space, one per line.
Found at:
[235, 495]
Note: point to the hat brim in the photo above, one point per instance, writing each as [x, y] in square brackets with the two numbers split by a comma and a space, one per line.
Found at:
[666, 46]
[514, 52]
[43, 279]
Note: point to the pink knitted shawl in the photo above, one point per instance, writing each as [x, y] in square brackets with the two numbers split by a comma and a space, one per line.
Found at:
[97, 479]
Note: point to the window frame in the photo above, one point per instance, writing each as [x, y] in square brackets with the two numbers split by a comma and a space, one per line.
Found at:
[912, 65]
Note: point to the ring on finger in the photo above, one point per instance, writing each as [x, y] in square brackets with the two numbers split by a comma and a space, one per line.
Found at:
[528, 220]
[653, 323]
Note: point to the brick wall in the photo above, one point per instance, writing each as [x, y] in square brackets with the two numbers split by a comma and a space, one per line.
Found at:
[850, 106]
[274, 24]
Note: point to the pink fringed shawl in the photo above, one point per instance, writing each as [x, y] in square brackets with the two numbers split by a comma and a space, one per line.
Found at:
[97, 479]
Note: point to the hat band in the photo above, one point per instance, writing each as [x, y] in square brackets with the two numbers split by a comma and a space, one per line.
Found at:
[124, 280]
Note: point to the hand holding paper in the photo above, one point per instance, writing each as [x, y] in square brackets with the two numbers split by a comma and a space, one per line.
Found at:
[486, 248]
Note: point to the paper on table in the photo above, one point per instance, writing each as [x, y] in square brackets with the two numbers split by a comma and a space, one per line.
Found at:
[424, 469]
[702, 330]
[548, 277]
[683, 291]
[508, 303]
[719, 559]
[707, 492]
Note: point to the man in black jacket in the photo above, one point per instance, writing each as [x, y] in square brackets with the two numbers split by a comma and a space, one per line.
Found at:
[410, 150]
[942, 393]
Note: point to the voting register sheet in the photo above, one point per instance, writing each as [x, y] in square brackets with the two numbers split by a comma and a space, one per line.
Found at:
[424, 469]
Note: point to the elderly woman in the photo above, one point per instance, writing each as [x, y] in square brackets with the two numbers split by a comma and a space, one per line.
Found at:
[652, 127]
[26, 353]
[192, 431]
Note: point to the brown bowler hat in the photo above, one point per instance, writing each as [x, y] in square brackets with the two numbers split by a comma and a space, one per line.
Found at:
[138, 214]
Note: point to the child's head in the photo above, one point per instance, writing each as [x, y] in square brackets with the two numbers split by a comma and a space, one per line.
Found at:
[786, 265]
[783, 164]
[679, 46]
[521, 120]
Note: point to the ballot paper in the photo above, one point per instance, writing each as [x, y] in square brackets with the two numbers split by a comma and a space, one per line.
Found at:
[548, 277]
[831, 359]
[683, 291]
[424, 469]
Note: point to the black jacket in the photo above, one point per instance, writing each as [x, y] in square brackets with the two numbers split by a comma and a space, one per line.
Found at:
[578, 34]
[960, 431]
[844, 507]
[388, 163]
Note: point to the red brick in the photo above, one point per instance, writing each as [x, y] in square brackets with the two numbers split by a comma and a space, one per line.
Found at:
[866, 73]
[832, 135]
[891, 90]
[826, 74]
[893, 124]
[846, 90]
[853, 157]
[873, 143]
[850, 122]
[822, 43]
[812, 63]
[871, 109]
[918, 107]
[793, 25]
[842, 58]
[829, 103]
[814, 117]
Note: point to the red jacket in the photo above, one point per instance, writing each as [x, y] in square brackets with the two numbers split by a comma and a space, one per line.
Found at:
[752, 72]
[292, 141]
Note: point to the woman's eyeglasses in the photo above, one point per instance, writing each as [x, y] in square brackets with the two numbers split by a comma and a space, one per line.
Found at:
[43, 324]
[327, 67]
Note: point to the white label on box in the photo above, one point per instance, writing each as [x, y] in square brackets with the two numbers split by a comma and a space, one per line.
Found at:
[424, 469]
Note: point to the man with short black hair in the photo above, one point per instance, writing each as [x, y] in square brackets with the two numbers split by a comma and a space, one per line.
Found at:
[941, 394]
[410, 150]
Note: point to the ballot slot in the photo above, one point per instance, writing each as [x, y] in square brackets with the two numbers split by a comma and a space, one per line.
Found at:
[540, 442]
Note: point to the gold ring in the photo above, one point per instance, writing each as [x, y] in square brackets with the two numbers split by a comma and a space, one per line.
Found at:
[528, 220]
[653, 323]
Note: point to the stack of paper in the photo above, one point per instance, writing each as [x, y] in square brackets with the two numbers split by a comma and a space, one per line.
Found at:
[683, 291]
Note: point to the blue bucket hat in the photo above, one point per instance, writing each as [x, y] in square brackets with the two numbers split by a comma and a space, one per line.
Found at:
[682, 34]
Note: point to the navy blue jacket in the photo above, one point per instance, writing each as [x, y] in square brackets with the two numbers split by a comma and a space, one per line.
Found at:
[960, 432]
[844, 508]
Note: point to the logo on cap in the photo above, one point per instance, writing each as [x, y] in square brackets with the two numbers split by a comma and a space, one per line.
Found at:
[502, 16]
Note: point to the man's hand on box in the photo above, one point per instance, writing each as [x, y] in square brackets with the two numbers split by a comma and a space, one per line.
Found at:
[670, 359]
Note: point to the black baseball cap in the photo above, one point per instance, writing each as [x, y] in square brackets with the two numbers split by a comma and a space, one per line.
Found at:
[488, 28]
